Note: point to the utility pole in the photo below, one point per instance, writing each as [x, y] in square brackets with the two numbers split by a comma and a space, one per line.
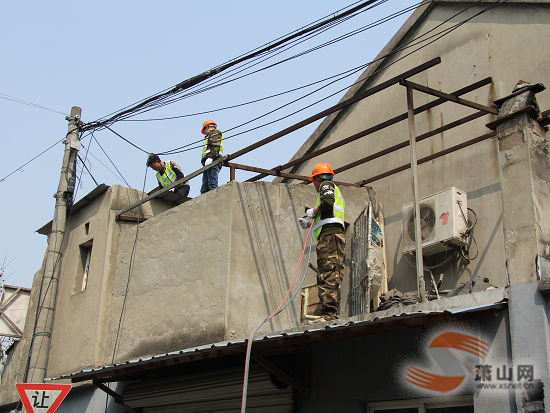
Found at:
[40, 341]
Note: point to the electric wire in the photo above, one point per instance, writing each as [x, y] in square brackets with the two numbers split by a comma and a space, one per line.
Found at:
[130, 268]
[32, 159]
[387, 18]
[244, 54]
[212, 83]
[170, 151]
[328, 43]
[352, 72]
[110, 160]
[118, 177]
[128, 141]
[442, 33]
[284, 304]
[177, 150]
[34, 105]
[205, 75]
[204, 112]
[87, 170]
[84, 167]
[414, 42]
[196, 86]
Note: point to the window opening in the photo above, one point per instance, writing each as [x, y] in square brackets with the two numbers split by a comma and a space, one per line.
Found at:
[83, 271]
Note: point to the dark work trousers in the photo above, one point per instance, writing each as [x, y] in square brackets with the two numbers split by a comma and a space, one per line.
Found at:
[210, 179]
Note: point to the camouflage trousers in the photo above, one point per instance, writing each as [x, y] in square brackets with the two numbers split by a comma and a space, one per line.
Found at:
[330, 262]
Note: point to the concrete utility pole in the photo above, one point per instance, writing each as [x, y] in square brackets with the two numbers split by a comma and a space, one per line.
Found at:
[40, 341]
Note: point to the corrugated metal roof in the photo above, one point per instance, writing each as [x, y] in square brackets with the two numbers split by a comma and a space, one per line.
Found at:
[317, 332]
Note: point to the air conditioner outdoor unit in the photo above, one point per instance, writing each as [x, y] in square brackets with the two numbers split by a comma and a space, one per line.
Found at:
[443, 221]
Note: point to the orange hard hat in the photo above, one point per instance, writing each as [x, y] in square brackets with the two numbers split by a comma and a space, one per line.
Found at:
[206, 123]
[321, 168]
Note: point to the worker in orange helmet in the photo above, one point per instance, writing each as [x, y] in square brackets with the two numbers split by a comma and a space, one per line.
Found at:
[328, 228]
[212, 149]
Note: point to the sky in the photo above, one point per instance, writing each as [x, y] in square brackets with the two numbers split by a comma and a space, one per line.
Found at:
[106, 55]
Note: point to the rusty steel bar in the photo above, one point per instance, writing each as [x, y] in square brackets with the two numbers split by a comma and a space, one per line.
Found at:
[232, 173]
[404, 144]
[168, 187]
[278, 173]
[375, 128]
[448, 96]
[414, 181]
[324, 113]
[429, 158]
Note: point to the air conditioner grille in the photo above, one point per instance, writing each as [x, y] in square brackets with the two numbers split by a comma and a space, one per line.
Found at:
[427, 222]
[442, 221]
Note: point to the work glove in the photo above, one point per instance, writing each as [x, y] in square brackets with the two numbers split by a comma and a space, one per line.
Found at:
[304, 222]
[310, 213]
[208, 161]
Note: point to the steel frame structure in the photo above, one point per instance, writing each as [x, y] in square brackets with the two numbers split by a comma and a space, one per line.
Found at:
[441, 97]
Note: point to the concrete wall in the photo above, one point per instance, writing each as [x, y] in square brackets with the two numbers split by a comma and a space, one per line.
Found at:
[80, 318]
[83, 315]
[205, 271]
[506, 43]
[212, 268]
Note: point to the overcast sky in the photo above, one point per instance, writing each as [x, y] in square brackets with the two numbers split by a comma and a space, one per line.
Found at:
[105, 55]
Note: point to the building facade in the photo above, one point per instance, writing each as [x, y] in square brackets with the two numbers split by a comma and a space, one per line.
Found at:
[156, 315]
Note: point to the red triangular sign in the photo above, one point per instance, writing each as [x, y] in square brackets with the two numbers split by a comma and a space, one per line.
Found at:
[42, 397]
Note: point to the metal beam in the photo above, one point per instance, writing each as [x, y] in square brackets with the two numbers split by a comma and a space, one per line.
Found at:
[404, 144]
[172, 185]
[375, 128]
[429, 158]
[281, 374]
[117, 397]
[277, 173]
[337, 107]
[448, 96]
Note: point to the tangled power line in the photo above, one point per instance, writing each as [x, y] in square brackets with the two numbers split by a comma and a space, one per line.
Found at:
[233, 70]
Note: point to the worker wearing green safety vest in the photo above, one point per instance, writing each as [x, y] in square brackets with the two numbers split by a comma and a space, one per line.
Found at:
[167, 173]
[212, 150]
[328, 228]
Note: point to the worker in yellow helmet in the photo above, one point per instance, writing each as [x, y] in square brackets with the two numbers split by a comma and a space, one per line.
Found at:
[328, 228]
[211, 150]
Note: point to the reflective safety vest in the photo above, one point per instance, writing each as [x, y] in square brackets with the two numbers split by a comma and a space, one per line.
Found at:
[337, 213]
[205, 149]
[168, 176]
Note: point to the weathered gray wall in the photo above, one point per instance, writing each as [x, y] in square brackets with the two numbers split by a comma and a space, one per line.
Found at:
[79, 322]
[212, 268]
[205, 271]
[266, 245]
[80, 325]
[506, 43]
